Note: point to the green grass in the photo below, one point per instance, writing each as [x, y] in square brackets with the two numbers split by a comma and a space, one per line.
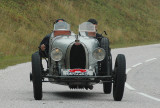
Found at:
[23, 23]
[123, 45]
[13, 60]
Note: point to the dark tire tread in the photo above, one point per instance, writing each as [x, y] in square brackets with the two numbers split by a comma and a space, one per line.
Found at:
[105, 66]
[120, 77]
[36, 76]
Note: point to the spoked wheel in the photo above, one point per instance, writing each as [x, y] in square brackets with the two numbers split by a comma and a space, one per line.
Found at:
[106, 65]
[119, 77]
[36, 76]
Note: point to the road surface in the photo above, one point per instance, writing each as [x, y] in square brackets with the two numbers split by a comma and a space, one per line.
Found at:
[142, 88]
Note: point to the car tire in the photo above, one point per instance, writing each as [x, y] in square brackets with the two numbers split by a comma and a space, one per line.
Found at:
[106, 65]
[36, 76]
[119, 77]
[107, 87]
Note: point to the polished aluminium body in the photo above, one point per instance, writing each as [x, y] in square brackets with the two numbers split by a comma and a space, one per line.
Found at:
[79, 61]
[65, 43]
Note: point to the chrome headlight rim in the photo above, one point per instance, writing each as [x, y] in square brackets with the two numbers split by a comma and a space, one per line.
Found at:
[103, 52]
[52, 57]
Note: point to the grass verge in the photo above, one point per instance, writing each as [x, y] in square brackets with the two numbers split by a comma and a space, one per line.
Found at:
[13, 60]
[124, 45]
[24, 23]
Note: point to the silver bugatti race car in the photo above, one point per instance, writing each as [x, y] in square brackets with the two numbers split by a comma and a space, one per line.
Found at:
[79, 61]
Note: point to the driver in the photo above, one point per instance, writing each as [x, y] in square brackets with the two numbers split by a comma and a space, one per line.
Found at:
[44, 45]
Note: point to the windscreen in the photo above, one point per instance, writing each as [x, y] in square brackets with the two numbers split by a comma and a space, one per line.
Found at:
[87, 28]
[61, 26]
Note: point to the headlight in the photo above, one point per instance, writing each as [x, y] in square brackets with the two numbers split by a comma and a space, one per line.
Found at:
[99, 54]
[56, 54]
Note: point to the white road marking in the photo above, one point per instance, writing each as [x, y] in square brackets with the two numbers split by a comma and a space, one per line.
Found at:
[148, 96]
[129, 87]
[136, 65]
[150, 59]
[127, 70]
[133, 89]
[126, 84]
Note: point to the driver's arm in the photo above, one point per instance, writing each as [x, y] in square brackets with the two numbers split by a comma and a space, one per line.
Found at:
[45, 43]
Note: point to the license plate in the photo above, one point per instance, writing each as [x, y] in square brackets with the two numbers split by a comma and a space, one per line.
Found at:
[77, 72]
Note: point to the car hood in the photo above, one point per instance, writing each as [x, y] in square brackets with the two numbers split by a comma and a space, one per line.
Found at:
[63, 42]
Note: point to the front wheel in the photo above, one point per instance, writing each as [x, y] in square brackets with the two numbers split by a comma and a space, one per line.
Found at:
[36, 76]
[119, 77]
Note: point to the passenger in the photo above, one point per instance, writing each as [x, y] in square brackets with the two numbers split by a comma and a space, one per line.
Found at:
[98, 36]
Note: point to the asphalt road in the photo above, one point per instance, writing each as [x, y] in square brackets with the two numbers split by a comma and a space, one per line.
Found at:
[142, 88]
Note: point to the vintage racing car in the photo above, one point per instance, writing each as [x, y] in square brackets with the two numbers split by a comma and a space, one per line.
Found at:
[79, 61]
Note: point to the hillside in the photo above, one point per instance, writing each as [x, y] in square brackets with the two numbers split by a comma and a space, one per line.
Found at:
[23, 23]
